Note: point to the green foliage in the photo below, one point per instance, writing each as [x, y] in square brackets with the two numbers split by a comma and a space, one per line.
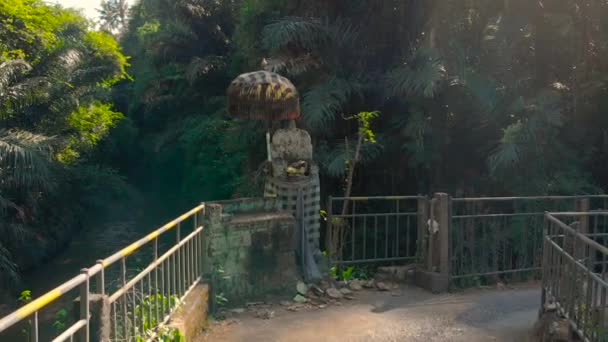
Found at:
[54, 78]
[60, 322]
[106, 49]
[91, 124]
[152, 304]
[28, 27]
[365, 123]
[25, 296]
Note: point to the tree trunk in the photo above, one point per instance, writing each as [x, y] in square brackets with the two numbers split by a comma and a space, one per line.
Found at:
[351, 173]
[540, 47]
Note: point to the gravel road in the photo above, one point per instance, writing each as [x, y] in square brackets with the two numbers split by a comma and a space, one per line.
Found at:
[409, 315]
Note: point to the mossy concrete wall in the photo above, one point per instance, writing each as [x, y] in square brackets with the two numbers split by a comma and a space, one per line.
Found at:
[250, 249]
[191, 317]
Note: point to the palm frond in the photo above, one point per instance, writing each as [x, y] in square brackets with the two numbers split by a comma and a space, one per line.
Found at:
[420, 76]
[511, 148]
[26, 92]
[342, 35]
[335, 161]
[292, 66]
[202, 66]
[8, 268]
[545, 109]
[25, 159]
[322, 103]
[305, 33]
[10, 71]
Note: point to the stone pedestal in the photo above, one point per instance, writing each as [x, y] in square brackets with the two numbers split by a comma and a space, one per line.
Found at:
[290, 146]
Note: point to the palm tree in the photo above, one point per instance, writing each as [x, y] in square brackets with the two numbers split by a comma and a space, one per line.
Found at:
[25, 158]
[113, 15]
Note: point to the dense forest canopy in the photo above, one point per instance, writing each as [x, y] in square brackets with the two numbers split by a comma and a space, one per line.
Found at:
[56, 78]
[479, 97]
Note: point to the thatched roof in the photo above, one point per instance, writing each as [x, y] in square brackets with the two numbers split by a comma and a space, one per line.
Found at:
[263, 95]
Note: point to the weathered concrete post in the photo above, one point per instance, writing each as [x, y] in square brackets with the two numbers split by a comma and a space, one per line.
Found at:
[436, 275]
[100, 323]
[213, 222]
[423, 217]
[582, 206]
[442, 216]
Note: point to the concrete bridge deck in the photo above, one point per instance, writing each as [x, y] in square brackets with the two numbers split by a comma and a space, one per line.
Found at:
[496, 314]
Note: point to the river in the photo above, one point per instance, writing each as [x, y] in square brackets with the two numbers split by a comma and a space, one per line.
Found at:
[97, 241]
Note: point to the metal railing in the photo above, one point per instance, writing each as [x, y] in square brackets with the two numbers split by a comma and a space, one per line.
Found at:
[139, 300]
[376, 229]
[574, 270]
[502, 236]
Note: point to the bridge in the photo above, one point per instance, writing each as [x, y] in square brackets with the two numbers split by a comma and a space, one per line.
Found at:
[166, 283]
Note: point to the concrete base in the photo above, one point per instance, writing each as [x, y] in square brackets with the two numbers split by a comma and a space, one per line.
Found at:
[398, 274]
[432, 281]
[191, 317]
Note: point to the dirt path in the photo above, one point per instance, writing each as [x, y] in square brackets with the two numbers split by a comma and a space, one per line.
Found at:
[414, 315]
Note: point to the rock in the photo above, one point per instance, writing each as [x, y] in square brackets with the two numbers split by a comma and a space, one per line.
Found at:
[401, 274]
[300, 299]
[334, 293]
[396, 293]
[302, 288]
[341, 284]
[349, 297]
[285, 303]
[550, 307]
[355, 285]
[500, 286]
[295, 307]
[346, 291]
[370, 284]
[383, 286]
[238, 310]
[322, 306]
[265, 314]
[560, 330]
[250, 304]
[317, 290]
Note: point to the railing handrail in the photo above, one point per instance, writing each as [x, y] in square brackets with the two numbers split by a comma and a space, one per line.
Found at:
[368, 198]
[577, 234]
[49, 297]
[565, 262]
[152, 265]
[490, 198]
[40, 302]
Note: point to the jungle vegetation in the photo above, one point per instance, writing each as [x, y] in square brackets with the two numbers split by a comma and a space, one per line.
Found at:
[480, 97]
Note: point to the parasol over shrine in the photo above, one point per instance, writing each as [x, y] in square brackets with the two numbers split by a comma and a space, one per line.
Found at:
[263, 95]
